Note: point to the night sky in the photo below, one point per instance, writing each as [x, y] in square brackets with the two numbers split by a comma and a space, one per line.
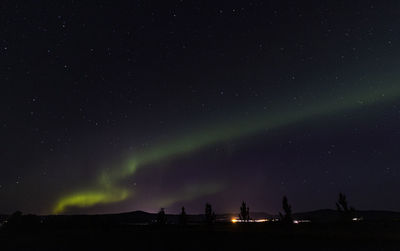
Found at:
[135, 105]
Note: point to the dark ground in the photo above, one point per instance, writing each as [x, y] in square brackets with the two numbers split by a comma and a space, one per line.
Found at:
[221, 236]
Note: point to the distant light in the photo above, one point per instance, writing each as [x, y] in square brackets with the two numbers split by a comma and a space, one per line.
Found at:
[301, 221]
[235, 220]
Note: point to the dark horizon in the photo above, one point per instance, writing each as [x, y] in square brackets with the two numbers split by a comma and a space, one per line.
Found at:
[201, 211]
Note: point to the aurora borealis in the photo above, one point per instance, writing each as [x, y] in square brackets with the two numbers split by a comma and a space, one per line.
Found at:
[108, 192]
[182, 103]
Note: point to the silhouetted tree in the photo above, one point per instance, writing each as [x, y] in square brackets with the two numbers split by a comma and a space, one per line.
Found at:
[244, 212]
[183, 217]
[161, 217]
[347, 213]
[287, 209]
[209, 214]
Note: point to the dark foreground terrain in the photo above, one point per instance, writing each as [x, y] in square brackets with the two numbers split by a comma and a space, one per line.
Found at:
[220, 236]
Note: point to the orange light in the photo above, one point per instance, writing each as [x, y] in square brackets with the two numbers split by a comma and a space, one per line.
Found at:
[234, 220]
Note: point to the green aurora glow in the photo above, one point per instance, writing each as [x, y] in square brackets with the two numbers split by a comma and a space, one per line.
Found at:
[108, 190]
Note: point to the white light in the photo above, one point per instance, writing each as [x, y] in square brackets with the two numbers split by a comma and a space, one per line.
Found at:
[300, 221]
[235, 220]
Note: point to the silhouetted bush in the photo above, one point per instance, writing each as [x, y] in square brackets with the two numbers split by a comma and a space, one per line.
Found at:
[347, 213]
[161, 217]
[20, 222]
[244, 212]
[209, 214]
[286, 218]
[183, 217]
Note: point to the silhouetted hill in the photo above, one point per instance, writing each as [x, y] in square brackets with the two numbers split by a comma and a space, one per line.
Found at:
[140, 217]
[128, 218]
[323, 215]
[329, 215]
[135, 217]
[260, 215]
[144, 218]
